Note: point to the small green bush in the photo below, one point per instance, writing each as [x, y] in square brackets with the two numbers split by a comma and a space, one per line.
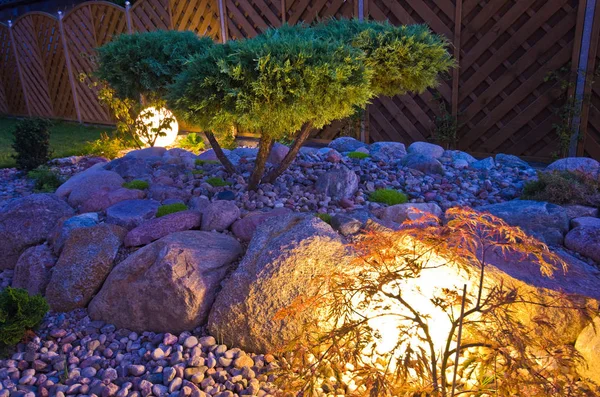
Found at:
[136, 184]
[31, 143]
[563, 187]
[192, 142]
[19, 313]
[388, 196]
[358, 155]
[170, 209]
[324, 217]
[217, 182]
[46, 181]
[206, 162]
[107, 146]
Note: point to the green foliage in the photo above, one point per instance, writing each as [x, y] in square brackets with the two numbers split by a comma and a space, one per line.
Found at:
[107, 146]
[271, 84]
[192, 142]
[324, 217]
[357, 155]
[217, 182]
[46, 180]
[445, 125]
[563, 188]
[136, 184]
[170, 209]
[19, 313]
[388, 196]
[146, 63]
[201, 163]
[31, 143]
[198, 172]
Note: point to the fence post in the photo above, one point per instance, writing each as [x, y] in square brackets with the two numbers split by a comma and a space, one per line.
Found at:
[14, 46]
[68, 63]
[222, 17]
[128, 17]
[456, 70]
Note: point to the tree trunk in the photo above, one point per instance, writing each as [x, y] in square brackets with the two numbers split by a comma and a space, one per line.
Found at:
[219, 152]
[291, 155]
[264, 148]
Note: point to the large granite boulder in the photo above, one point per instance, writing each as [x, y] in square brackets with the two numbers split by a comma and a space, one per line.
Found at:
[585, 239]
[85, 262]
[244, 228]
[285, 257]
[424, 163]
[588, 345]
[95, 190]
[346, 144]
[131, 213]
[169, 285]
[160, 227]
[219, 215]
[34, 269]
[586, 166]
[387, 151]
[426, 149]
[130, 168]
[548, 222]
[339, 183]
[28, 221]
[63, 229]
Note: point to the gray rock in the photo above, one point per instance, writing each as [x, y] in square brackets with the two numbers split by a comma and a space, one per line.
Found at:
[282, 261]
[131, 213]
[210, 155]
[423, 163]
[160, 227]
[219, 215]
[387, 151]
[458, 155]
[510, 160]
[34, 269]
[426, 149]
[244, 228]
[485, 164]
[28, 221]
[95, 191]
[278, 152]
[199, 203]
[61, 233]
[548, 222]
[576, 211]
[409, 212]
[130, 168]
[147, 153]
[585, 221]
[346, 225]
[67, 187]
[587, 166]
[346, 144]
[85, 262]
[338, 183]
[245, 152]
[167, 286]
[585, 240]
[160, 192]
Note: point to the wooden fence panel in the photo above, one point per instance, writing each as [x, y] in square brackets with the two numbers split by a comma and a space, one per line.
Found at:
[199, 16]
[248, 18]
[311, 11]
[509, 50]
[149, 15]
[411, 117]
[32, 66]
[13, 102]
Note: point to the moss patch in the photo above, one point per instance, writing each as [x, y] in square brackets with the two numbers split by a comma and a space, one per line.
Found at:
[217, 182]
[388, 196]
[170, 209]
[136, 184]
[357, 155]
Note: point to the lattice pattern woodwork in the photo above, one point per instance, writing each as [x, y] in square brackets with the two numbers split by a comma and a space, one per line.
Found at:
[32, 66]
[149, 15]
[308, 11]
[248, 18]
[199, 16]
[13, 100]
[411, 117]
[506, 100]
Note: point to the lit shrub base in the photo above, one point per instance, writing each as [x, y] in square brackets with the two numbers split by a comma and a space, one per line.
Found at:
[563, 188]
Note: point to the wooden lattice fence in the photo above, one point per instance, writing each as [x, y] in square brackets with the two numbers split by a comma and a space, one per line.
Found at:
[501, 93]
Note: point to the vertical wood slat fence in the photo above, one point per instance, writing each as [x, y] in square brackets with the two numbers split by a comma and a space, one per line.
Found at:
[500, 93]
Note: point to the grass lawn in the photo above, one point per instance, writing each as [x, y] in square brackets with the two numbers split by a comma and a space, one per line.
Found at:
[66, 139]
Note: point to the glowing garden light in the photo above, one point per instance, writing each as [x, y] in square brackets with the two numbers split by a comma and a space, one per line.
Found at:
[157, 127]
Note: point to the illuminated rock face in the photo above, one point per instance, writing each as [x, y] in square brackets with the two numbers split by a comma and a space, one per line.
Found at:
[285, 256]
[588, 345]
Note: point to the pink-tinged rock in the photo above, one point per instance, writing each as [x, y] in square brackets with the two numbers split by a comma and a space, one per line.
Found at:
[105, 198]
[244, 228]
[161, 193]
[131, 213]
[160, 227]
[91, 190]
[219, 215]
[147, 153]
[65, 226]
[333, 156]
[28, 221]
[85, 262]
[586, 166]
[73, 182]
[278, 152]
[585, 240]
[409, 212]
[34, 269]
[169, 285]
